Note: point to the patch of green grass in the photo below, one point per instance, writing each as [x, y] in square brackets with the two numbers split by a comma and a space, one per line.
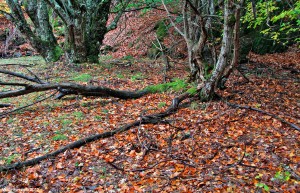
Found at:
[24, 60]
[105, 111]
[11, 158]
[176, 85]
[78, 115]
[10, 120]
[53, 105]
[120, 76]
[98, 118]
[128, 57]
[59, 137]
[66, 122]
[192, 90]
[6, 100]
[137, 76]
[161, 104]
[46, 123]
[56, 80]
[107, 65]
[105, 57]
[82, 78]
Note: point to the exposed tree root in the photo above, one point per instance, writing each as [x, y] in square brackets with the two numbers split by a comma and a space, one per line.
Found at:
[148, 119]
[267, 113]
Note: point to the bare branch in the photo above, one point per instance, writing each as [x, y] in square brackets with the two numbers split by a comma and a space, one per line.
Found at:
[23, 107]
[265, 112]
[31, 79]
[13, 84]
[60, 11]
[148, 119]
[171, 20]
[23, 65]
[114, 23]
[193, 7]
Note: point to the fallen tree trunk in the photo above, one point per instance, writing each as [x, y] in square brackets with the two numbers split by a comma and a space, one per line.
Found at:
[63, 88]
[72, 88]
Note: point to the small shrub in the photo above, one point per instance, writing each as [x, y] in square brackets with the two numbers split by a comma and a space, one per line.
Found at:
[282, 176]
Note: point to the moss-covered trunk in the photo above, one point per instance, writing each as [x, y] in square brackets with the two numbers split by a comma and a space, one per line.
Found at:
[40, 35]
[85, 35]
[210, 85]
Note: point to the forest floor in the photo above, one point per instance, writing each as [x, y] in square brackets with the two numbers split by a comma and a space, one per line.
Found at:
[204, 147]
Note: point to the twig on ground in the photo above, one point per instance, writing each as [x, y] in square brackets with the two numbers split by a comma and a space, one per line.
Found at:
[23, 107]
[264, 112]
[152, 119]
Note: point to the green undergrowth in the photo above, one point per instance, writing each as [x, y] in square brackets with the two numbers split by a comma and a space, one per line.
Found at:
[177, 85]
[82, 77]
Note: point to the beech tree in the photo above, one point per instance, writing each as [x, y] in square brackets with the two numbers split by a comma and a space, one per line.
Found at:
[198, 19]
[40, 35]
[85, 24]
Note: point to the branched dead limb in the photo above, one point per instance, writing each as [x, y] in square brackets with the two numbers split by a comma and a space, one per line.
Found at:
[152, 119]
[5, 105]
[64, 88]
[74, 89]
[23, 107]
[265, 112]
[19, 75]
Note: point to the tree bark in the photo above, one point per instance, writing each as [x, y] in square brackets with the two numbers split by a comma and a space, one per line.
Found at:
[42, 39]
[72, 88]
[236, 44]
[208, 91]
[85, 28]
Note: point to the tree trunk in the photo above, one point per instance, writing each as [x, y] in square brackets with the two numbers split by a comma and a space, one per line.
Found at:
[195, 63]
[86, 33]
[42, 39]
[208, 91]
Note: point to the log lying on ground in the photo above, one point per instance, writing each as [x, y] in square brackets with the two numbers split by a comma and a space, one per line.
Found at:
[148, 119]
[63, 88]
[72, 88]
